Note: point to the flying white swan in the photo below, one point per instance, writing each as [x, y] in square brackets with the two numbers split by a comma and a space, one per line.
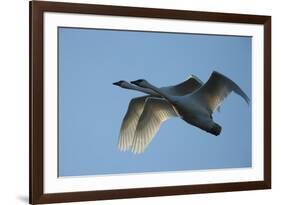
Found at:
[157, 107]
[197, 107]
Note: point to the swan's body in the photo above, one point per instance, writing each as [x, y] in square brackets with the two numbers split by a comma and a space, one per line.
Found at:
[152, 109]
[196, 108]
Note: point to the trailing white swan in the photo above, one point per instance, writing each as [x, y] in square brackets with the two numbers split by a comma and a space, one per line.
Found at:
[197, 107]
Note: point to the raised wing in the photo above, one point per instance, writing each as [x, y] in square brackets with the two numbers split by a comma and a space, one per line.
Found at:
[156, 111]
[190, 85]
[216, 89]
[130, 122]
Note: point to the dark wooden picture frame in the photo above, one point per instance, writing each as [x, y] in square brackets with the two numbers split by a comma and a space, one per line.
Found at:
[37, 8]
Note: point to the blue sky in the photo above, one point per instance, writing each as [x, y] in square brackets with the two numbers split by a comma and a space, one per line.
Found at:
[91, 109]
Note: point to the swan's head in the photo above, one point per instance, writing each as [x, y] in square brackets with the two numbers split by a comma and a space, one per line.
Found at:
[140, 82]
[121, 83]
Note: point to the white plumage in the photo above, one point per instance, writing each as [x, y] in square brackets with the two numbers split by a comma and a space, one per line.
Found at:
[130, 136]
[197, 107]
[130, 122]
[191, 100]
[155, 112]
[215, 90]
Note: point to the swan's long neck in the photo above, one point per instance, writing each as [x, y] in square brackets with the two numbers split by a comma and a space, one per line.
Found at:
[159, 91]
[144, 90]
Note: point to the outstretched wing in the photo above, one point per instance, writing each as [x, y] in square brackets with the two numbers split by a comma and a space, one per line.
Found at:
[130, 122]
[188, 86]
[216, 89]
[156, 110]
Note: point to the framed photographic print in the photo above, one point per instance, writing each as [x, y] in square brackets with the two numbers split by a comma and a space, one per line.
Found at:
[138, 102]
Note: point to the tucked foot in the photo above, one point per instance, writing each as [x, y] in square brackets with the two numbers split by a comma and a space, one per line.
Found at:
[216, 129]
